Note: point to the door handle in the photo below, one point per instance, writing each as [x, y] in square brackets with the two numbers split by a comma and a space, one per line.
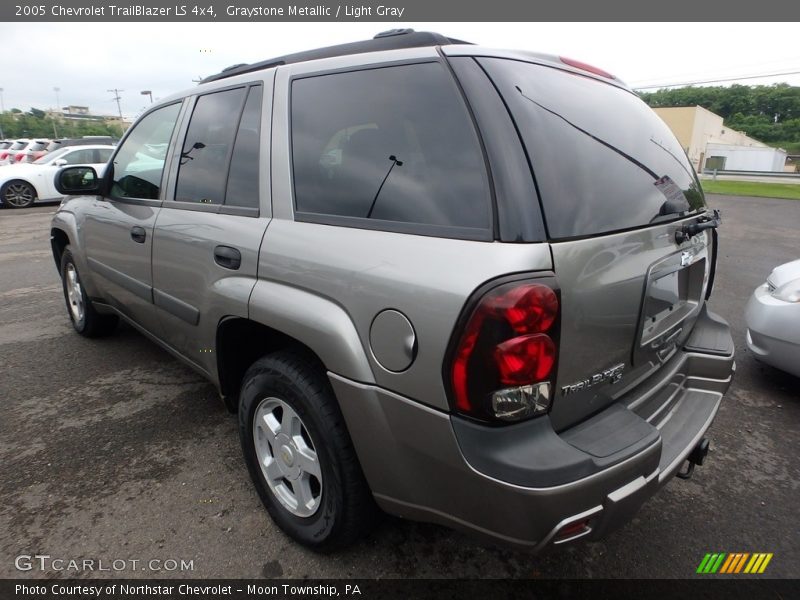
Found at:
[138, 234]
[227, 257]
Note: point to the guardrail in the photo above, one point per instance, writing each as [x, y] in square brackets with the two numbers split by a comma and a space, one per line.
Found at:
[778, 174]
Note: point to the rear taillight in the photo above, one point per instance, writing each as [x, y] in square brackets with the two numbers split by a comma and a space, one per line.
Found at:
[3, 155]
[503, 364]
[19, 157]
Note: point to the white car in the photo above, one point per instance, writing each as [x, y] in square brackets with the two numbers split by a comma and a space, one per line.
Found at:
[22, 184]
[7, 154]
[773, 319]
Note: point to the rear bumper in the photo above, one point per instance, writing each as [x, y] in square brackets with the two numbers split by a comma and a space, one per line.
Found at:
[522, 489]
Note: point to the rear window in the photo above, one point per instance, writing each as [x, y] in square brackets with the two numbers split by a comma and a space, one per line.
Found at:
[603, 160]
[37, 146]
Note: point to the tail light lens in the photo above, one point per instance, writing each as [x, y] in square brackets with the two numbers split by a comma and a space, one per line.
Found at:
[19, 157]
[504, 362]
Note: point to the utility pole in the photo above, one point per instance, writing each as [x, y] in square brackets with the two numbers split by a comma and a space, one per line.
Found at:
[58, 110]
[117, 98]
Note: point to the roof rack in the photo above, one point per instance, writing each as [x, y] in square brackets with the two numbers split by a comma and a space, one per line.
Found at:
[393, 39]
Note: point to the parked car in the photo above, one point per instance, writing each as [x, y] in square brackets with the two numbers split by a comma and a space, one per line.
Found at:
[64, 142]
[463, 284]
[773, 319]
[23, 184]
[33, 151]
[7, 155]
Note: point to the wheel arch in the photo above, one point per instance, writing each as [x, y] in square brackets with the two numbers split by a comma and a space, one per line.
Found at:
[285, 317]
[59, 239]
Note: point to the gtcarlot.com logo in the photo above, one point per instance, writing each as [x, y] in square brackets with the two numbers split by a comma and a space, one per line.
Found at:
[734, 563]
[45, 562]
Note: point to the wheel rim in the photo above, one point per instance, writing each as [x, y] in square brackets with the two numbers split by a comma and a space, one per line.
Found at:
[287, 457]
[18, 194]
[74, 293]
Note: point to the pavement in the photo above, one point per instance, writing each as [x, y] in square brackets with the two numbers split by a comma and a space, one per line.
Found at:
[111, 450]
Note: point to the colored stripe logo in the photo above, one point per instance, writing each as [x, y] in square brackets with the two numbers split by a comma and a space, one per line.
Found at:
[734, 563]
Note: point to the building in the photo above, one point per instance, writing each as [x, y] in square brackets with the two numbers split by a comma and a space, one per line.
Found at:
[81, 113]
[712, 145]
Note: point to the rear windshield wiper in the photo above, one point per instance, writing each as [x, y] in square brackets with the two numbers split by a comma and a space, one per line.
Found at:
[692, 229]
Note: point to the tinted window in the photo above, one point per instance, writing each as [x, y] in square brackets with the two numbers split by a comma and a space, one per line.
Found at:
[391, 144]
[102, 155]
[139, 164]
[79, 157]
[243, 176]
[603, 160]
[35, 147]
[203, 168]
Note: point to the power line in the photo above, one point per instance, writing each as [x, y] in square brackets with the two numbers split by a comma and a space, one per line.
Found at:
[667, 85]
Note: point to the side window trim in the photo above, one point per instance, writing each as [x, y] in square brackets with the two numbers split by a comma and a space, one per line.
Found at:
[250, 89]
[446, 231]
[109, 174]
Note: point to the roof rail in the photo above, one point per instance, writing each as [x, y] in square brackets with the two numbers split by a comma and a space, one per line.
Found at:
[386, 40]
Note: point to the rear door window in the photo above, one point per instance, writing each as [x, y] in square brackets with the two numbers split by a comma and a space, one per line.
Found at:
[390, 147]
[603, 160]
[206, 152]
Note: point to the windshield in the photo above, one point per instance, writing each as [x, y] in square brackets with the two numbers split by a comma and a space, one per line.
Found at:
[603, 160]
[51, 156]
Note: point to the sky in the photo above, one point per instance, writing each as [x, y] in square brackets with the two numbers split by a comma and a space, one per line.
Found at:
[85, 60]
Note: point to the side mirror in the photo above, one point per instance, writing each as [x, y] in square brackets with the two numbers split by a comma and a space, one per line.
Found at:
[60, 162]
[78, 181]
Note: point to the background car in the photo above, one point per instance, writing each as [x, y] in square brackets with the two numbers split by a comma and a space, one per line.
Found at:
[5, 155]
[33, 151]
[23, 184]
[773, 319]
[65, 142]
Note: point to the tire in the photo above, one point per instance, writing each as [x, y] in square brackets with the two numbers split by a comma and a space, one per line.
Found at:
[338, 507]
[85, 319]
[18, 194]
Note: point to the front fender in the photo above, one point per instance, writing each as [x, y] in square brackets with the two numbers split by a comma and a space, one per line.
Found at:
[65, 220]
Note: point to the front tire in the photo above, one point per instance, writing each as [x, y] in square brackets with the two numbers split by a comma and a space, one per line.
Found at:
[18, 194]
[299, 453]
[85, 319]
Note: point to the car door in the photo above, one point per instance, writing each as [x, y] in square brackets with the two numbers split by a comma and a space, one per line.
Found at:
[209, 230]
[118, 228]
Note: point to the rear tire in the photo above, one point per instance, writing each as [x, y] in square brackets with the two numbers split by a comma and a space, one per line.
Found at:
[18, 194]
[300, 455]
[85, 319]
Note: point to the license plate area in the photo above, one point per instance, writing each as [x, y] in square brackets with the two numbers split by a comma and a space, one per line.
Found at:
[673, 295]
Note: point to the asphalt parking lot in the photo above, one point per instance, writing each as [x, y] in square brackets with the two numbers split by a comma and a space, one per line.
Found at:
[113, 450]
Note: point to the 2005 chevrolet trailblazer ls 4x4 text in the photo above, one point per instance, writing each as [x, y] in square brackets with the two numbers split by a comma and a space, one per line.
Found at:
[463, 285]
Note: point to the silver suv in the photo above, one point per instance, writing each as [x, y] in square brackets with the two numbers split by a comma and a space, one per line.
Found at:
[461, 285]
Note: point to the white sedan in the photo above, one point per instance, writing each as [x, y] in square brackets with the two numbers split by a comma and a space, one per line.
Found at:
[22, 184]
[773, 319]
